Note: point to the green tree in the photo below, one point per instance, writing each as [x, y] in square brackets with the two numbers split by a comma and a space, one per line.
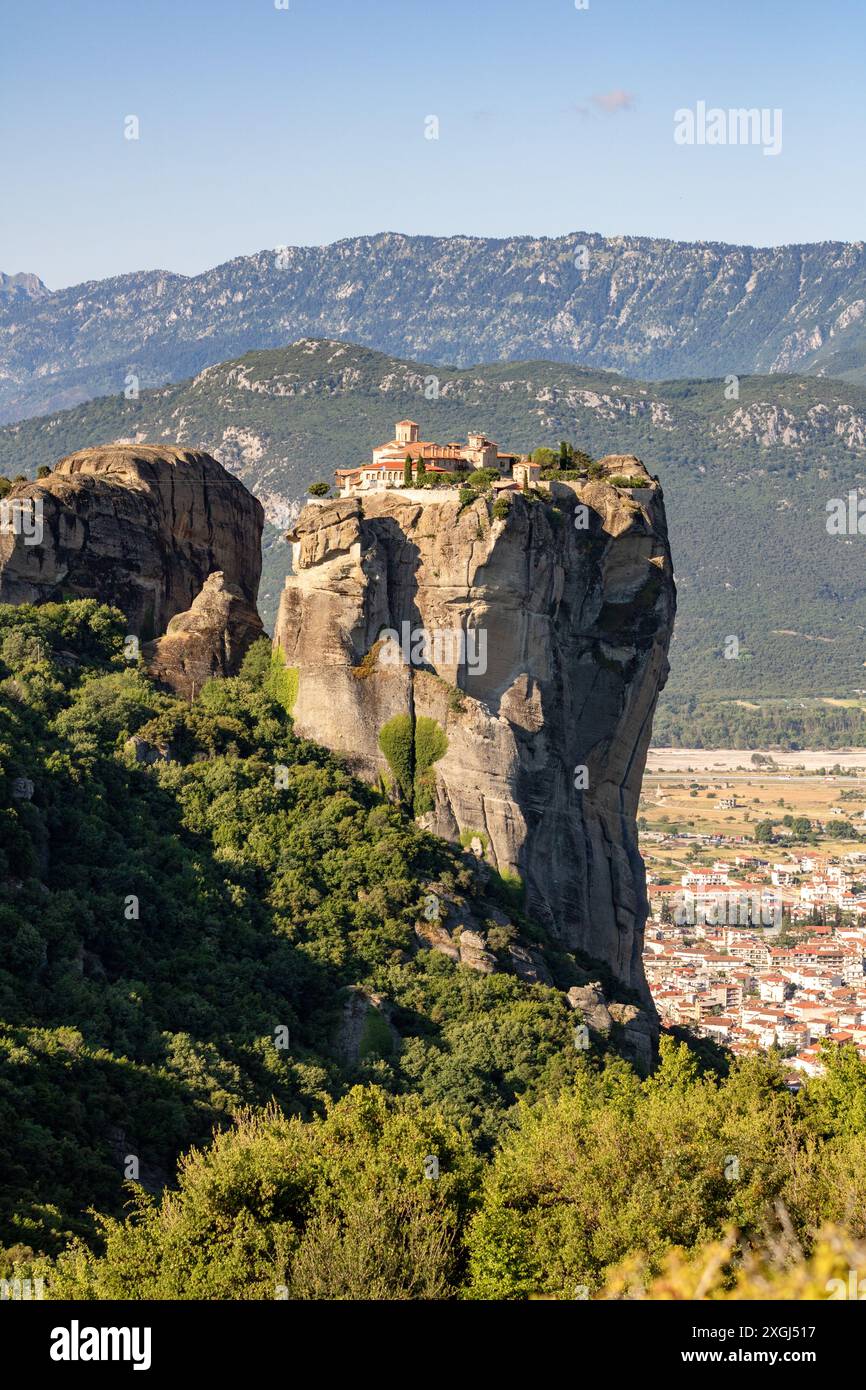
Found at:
[340, 1208]
[411, 749]
[548, 458]
[397, 743]
[614, 1165]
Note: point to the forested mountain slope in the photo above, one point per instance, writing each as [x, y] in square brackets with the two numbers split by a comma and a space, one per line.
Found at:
[199, 912]
[747, 478]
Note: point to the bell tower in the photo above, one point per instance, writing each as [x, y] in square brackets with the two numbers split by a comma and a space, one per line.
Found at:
[407, 432]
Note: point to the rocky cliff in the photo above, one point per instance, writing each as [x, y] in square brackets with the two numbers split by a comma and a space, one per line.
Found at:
[21, 287]
[136, 526]
[279, 420]
[497, 667]
[209, 640]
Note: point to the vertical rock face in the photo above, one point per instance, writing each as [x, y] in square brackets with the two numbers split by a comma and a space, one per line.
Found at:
[211, 639]
[136, 526]
[520, 726]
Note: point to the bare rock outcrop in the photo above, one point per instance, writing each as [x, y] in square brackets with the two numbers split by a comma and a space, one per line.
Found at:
[210, 639]
[141, 527]
[499, 670]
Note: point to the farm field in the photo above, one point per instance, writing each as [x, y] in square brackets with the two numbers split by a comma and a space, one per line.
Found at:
[683, 823]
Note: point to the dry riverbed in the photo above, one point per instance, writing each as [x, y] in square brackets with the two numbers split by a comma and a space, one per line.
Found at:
[740, 759]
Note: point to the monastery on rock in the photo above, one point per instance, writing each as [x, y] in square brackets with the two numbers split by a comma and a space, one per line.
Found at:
[387, 468]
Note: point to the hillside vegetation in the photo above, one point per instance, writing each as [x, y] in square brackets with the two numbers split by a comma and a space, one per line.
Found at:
[746, 480]
[644, 306]
[688, 721]
[227, 1070]
[228, 923]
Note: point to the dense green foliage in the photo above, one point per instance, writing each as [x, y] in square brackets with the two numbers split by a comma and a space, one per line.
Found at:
[431, 744]
[181, 938]
[336, 1208]
[396, 742]
[688, 721]
[609, 1182]
[411, 747]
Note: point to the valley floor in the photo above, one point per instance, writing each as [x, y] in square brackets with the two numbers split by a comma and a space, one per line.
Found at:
[741, 760]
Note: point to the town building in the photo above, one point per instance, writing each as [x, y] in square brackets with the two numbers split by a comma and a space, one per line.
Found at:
[746, 984]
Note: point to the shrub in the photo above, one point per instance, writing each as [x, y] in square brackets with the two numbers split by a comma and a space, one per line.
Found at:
[339, 1208]
[257, 664]
[395, 741]
[548, 458]
[482, 478]
[282, 682]
[411, 754]
[431, 744]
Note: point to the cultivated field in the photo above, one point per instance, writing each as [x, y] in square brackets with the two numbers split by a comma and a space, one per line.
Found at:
[680, 806]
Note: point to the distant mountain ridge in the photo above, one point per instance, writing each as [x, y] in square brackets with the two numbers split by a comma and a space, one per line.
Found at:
[746, 479]
[638, 305]
[23, 286]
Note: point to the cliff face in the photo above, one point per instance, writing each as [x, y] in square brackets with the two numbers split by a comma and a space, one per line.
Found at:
[211, 639]
[139, 527]
[499, 673]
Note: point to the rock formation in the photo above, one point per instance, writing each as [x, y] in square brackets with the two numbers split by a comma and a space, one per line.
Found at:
[140, 527]
[210, 639]
[497, 666]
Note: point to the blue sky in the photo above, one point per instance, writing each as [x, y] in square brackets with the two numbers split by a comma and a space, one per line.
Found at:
[262, 127]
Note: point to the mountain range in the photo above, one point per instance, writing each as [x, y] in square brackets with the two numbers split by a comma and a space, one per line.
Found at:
[17, 288]
[638, 305]
[747, 478]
